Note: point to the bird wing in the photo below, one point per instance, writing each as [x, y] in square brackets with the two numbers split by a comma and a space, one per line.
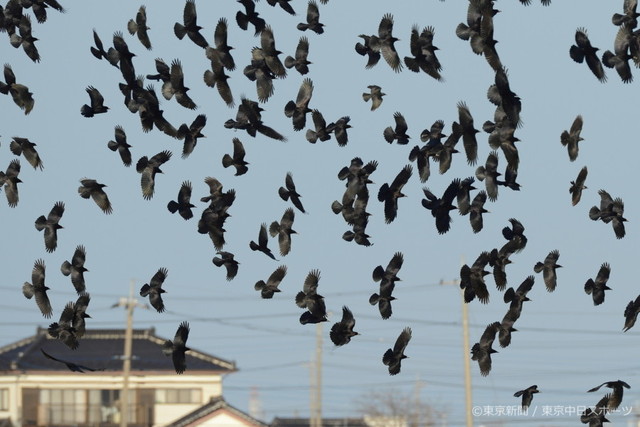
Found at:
[276, 277]
[310, 285]
[347, 318]
[159, 277]
[402, 178]
[402, 341]
[603, 274]
[79, 256]
[184, 195]
[160, 158]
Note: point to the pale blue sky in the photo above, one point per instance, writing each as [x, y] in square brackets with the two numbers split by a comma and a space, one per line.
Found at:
[565, 345]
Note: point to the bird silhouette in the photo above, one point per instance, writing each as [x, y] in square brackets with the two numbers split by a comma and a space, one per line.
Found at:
[90, 188]
[97, 103]
[298, 110]
[385, 43]
[320, 131]
[309, 298]
[24, 38]
[121, 146]
[374, 95]
[236, 159]
[390, 193]
[63, 329]
[20, 93]
[441, 207]
[596, 287]
[73, 367]
[22, 146]
[222, 50]
[284, 231]
[365, 48]
[619, 58]
[595, 418]
[191, 133]
[482, 350]
[339, 129]
[517, 241]
[38, 289]
[476, 210]
[610, 211]
[299, 61]
[175, 87]
[577, 186]
[250, 16]
[527, 395]
[424, 53]
[463, 197]
[288, 192]
[393, 357]
[149, 168]
[629, 17]
[583, 51]
[515, 298]
[154, 290]
[313, 19]
[468, 133]
[183, 203]
[631, 313]
[341, 332]
[80, 314]
[263, 240]
[489, 174]
[472, 279]
[615, 397]
[390, 273]
[399, 133]
[227, 260]
[216, 76]
[178, 347]
[76, 269]
[571, 138]
[51, 225]
[548, 268]
[139, 27]
[499, 259]
[10, 180]
[189, 25]
[270, 287]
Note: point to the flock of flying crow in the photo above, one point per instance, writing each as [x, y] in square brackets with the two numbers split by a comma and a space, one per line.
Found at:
[267, 66]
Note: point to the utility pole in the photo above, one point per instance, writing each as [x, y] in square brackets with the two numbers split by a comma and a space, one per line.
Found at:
[315, 406]
[129, 304]
[466, 351]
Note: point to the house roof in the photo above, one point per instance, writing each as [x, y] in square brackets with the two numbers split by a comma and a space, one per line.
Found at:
[326, 422]
[99, 349]
[208, 410]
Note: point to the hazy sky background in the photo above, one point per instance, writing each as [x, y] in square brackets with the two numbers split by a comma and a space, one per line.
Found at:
[564, 344]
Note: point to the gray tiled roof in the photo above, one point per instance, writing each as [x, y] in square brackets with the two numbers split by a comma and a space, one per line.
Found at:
[326, 422]
[215, 404]
[101, 349]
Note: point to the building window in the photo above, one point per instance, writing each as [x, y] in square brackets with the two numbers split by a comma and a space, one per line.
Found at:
[179, 395]
[4, 399]
[62, 406]
[72, 407]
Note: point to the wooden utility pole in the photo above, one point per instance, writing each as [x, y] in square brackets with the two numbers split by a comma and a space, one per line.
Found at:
[466, 351]
[129, 304]
[316, 394]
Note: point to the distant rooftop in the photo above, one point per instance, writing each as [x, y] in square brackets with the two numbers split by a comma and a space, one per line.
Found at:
[326, 422]
[209, 409]
[101, 349]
